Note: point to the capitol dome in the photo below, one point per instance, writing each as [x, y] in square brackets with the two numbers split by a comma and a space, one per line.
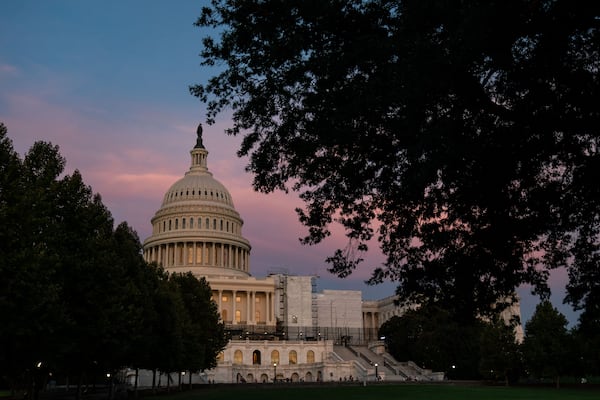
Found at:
[197, 228]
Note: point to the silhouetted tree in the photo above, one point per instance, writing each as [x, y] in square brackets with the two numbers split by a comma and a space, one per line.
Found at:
[547, 345]
[76, 296]
[500, 353]
[203, 333]
[432, 338]
[463, 135]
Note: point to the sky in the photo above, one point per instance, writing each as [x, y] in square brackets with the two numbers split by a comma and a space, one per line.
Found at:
[107, 81]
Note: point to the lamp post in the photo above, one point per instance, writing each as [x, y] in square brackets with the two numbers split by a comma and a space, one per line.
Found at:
[376, 374]
[274, 372]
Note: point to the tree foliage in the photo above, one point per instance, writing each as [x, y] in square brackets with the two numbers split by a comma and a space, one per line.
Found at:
[499, 351]
[204, 333]
[76, 296]
[432, 338]
[547, 345]
[464, 136]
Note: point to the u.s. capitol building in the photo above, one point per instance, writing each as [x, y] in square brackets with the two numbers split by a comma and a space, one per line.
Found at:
[281, 327]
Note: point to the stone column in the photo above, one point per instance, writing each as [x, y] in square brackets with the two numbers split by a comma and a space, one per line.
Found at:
[248, 307]
[220, 303]
[233, 306]
[185, 254]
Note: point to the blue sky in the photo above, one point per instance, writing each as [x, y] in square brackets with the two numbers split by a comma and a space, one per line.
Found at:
[108, 82]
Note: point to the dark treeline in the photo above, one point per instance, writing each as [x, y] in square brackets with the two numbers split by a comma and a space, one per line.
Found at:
[490, 350]
[77, 300]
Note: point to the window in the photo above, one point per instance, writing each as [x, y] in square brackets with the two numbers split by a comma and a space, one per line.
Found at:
[256, 357]
[274, 357]
[224, 299]
[169, 224]
[191, 223]
[221, 224]
[293, 357]
[238, 299]
[215, 224]
[183, 223]
[310, 357]
[238, 357]
[176, 223]
[238, 316]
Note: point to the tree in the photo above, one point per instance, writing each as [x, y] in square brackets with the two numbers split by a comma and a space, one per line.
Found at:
[500, 353]
[76, 296]
[430, 337]
[30, 302]
[203, 333]
[464, 136]
[546, 346]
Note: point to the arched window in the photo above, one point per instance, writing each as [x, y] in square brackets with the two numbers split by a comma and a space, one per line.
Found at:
[169, 224]
[221, 224]
[176, 223]
[224, 315]
[183, 223]
[191, 223]
[293, 357]
[220, 357]
[256, 357]
[207, 225]
[215, 224]
[238, 316]
[310, 356]
[274, 357]
[238, 357]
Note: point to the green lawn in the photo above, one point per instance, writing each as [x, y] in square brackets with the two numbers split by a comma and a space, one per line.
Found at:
[385, 392]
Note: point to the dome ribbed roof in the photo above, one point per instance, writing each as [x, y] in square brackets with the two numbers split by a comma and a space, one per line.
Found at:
[197, 186]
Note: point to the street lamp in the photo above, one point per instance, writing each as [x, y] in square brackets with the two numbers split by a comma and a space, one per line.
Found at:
[376, 374]
[274, 372]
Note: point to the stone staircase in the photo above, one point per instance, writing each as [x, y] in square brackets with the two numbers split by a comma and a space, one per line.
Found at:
[387, 368]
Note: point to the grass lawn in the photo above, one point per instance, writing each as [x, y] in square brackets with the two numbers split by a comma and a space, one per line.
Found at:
[384, 392]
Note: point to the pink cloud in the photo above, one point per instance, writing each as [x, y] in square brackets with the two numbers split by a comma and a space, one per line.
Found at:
[8, 70]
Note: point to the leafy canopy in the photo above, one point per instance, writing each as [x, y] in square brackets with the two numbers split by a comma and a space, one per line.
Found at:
[464, 136]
